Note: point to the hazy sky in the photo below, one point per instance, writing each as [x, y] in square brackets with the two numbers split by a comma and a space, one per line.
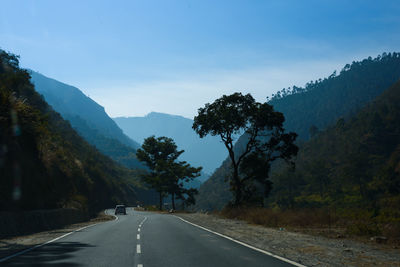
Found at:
[134, 57]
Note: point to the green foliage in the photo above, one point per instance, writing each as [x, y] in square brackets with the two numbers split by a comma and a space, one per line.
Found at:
[44, 163]
[353, 166]
[121, 153]
[309, 111]
[179, 129]
[266, 140]
[166, 174]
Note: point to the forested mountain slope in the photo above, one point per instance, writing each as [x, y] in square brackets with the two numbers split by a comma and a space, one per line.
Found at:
[88, 118]
[322, 102]
[311, 109]
[197, 150]
[353, 164]
[44, 163]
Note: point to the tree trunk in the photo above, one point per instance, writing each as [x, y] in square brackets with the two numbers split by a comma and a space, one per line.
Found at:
[236, 186]
[160, 200]
[173, 201]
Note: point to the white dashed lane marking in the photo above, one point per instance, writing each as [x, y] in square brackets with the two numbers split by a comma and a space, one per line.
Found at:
[138, 248]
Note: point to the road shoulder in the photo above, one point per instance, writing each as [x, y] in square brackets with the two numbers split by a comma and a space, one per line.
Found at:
[10, 246]
[302, 248]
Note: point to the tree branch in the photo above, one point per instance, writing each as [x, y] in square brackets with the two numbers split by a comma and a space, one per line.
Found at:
[250, 144]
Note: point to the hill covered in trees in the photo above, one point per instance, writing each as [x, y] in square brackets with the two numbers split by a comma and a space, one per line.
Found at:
[311, 109]
[352, 169]
[320, 103]
[88, 118]
[353, 163]
[44, 163]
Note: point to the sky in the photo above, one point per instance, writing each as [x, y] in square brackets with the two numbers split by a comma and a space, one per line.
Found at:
[135, 57]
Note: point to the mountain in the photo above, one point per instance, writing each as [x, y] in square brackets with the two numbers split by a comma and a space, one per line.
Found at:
[44, 163]
[322, 102]
[88, 118]
[197, 150]
[311, 109]
[352, 167]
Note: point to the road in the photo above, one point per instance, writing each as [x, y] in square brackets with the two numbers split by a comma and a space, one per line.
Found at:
[144, 239]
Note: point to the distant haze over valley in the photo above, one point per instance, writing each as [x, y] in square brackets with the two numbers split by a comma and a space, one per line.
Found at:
[208, 152]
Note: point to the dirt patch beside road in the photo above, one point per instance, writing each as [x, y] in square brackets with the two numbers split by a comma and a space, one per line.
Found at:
[13, 245]
[306, 249]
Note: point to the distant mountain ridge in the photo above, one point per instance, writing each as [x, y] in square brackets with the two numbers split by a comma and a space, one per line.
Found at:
[320, 103]
[67, 99]
[207, 152]
[88, 118]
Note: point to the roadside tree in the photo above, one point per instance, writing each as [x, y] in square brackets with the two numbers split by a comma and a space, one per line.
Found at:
[166, 174]
[264, 140]
[179, 174]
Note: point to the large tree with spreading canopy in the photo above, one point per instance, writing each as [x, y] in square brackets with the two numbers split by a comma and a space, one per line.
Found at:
[266, 140]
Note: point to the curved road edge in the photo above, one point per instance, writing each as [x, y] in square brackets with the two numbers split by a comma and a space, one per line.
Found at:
[243, 244]
[110, 214]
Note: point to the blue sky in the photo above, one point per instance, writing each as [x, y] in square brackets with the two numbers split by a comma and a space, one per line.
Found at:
[134, 57]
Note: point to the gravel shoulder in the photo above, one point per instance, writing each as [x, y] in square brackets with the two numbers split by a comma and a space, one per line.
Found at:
[13, 245]
[309, 250]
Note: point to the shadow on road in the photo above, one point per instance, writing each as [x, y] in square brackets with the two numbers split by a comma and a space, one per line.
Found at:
[54, 254]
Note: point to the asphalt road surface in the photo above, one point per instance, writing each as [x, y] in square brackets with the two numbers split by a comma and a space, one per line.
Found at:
[144, 239]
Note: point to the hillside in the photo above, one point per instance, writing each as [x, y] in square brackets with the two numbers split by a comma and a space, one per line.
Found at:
[197, 150]
[311, 109]
[88, 118]
[322, 102]
[354, 163]
[44, 163]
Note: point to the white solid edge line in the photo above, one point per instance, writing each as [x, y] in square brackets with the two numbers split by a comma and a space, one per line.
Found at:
[244, 244]
[115, 217]
[43, 244]
[51, 241]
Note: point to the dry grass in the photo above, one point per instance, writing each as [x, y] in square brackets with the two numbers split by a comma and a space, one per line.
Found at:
[288, 218]
[325, 222]
[102, 217]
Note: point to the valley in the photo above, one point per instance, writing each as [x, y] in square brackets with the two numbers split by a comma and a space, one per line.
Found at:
[200, 133]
